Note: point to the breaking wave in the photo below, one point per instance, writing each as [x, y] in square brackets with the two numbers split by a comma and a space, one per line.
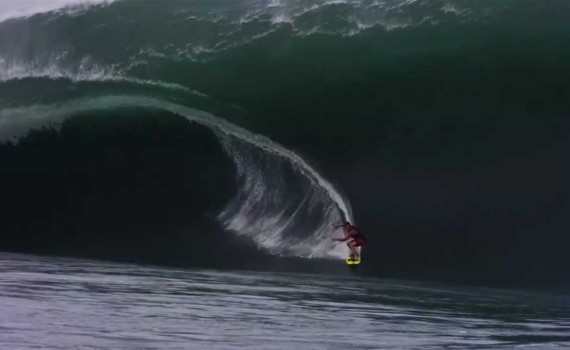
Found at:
[267, 209]
[363, 90]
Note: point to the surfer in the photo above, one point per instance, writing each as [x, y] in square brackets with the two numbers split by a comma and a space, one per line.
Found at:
[354, 238]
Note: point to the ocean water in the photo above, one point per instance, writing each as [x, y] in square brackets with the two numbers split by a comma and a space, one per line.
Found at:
[130, 129]
[236, 134]
[58, 303]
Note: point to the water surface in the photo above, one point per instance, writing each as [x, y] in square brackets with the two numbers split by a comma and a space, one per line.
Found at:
[56, 303]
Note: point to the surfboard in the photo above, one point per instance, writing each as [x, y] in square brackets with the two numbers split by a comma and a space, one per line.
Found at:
[350, 261]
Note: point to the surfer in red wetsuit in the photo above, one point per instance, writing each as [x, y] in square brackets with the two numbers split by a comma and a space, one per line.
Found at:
[354, 238]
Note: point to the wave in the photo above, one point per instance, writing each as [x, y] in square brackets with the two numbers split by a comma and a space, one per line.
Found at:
[200, 32]
[85, 71]
[257, 211]
[24, 9]
[378, 93]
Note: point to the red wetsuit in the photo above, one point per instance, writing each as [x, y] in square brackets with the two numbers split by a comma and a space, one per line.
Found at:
[353, 232]
[358, 238]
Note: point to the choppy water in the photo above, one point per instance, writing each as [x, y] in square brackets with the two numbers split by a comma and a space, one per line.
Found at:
[55, 303]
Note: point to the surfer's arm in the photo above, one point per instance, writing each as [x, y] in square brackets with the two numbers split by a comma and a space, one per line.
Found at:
[341, 239]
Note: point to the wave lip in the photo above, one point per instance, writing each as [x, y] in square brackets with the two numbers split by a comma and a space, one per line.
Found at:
[18, 9]
[85, 71]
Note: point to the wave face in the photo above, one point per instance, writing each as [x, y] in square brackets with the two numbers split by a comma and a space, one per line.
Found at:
[266, 208]
[298, 92]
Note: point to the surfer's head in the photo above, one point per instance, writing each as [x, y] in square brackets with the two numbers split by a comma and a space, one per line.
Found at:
[346, 223]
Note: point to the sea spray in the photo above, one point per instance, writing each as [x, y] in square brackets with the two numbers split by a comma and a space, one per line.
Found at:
[266, 227]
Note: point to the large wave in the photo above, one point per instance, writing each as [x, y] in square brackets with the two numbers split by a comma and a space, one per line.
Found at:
[267, 209]
[377, 93]
[198, 32]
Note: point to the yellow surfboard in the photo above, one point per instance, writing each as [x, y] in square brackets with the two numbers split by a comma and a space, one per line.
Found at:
[351, 261]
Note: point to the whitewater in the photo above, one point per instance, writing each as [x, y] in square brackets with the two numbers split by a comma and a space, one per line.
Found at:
[22, 9]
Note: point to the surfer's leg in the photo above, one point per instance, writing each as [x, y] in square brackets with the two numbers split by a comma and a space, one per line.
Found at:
[357, 243]
[354, 252]
[349, 245]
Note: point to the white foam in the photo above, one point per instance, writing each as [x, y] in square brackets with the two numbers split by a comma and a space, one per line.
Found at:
[268, 211]
[18, 8]
[453, 9]
[85, 71]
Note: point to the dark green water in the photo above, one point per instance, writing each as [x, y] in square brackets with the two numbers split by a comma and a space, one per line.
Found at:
[440, 126]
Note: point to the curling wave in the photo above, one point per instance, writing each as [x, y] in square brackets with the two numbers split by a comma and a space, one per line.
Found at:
[283, 218]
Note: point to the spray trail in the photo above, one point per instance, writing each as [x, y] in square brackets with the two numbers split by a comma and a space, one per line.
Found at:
[263, 209]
